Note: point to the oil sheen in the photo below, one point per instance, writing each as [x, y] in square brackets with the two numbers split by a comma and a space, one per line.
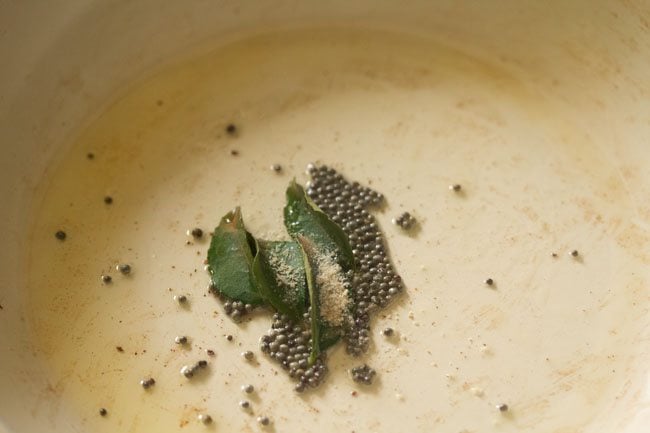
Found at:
[553, 337]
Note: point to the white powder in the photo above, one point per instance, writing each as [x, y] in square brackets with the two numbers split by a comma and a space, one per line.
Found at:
[334, 298]
[286, 275]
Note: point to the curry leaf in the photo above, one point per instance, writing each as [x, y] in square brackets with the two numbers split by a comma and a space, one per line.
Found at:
[303, 217]
[230, 260]
[320, 238]
[324, 334]
[279, 272]
[309, 251]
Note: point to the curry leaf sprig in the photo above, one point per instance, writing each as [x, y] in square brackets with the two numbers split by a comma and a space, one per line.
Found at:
[284, 275]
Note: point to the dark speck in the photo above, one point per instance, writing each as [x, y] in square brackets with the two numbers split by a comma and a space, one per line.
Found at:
[197, 233]
[103, 412]
[231, 129]
[276, 168]
[229, 337]
[119, 349]
[234, 152]
[90, 155]
[108, 199]
[60, 235]
[106, 279]
[489, 281]
[575, 253]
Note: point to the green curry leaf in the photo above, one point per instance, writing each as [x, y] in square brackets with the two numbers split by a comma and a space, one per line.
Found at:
[230, 260]
[323, 334]
[303, 217]
[309, 252]
[318, 237]
[279, 271]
